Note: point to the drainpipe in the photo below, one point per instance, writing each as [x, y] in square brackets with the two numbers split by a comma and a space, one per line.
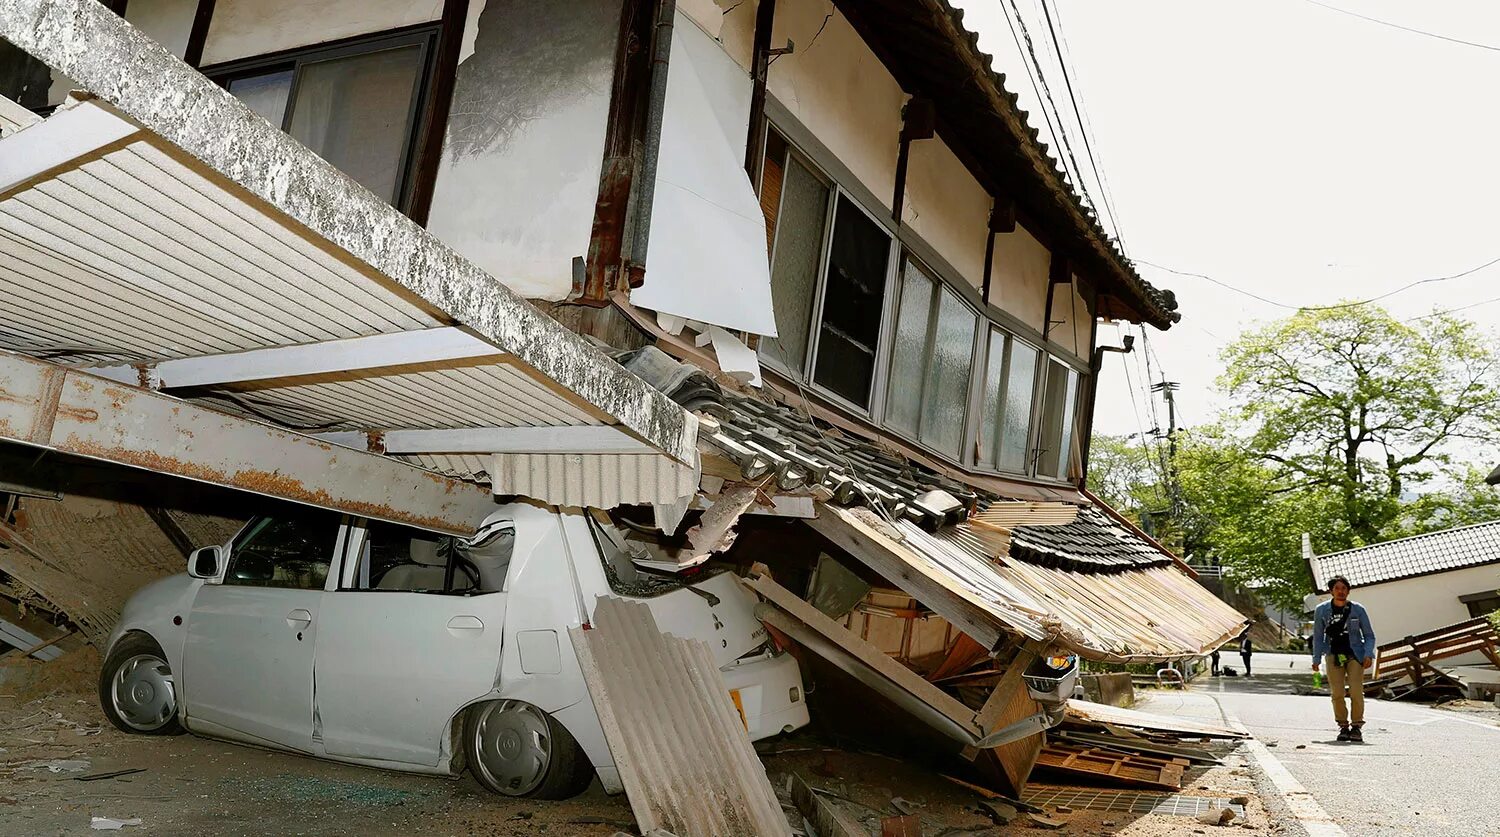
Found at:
[640, 239]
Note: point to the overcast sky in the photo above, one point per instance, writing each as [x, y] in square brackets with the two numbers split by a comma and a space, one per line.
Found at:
[1280, 147]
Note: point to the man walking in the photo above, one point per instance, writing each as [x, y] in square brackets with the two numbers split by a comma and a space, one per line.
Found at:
[1344, 640]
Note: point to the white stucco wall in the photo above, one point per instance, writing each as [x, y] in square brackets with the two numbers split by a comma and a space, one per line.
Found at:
[1417, 605]
[247, 28]
[1018, 282]
[839, 91]
[168, 22]
[947, 207]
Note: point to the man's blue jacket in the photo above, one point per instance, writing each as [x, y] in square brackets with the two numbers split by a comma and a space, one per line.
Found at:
[1361, 632]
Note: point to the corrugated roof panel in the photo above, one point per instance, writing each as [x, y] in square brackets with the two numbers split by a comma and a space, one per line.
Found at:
[684, 757]
[597, 480]
[1451, 549]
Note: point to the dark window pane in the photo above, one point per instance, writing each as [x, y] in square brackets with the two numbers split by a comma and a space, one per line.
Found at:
[291, 550]
[945, 398]
[265, 94]
[903, 402]
[852, 301]
[794, 264]
[356, 113]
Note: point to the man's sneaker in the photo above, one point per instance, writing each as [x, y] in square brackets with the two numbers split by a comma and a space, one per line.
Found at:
[1356, 736]
[1344, 733]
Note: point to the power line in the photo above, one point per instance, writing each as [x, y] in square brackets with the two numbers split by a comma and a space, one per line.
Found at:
[1408, 286]
[1078, 115]
[1454, 310]
[1044, 98]
[1413, 30]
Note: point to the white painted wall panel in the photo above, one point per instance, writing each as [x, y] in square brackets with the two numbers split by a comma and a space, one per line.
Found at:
[168, 22]
[247, 28]
[519, 177]
[707, 258]
[1019, 281]
[947, 207]
[1417, 605]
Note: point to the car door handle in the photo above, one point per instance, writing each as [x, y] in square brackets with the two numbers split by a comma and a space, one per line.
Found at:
[299, 619]
[459, 625]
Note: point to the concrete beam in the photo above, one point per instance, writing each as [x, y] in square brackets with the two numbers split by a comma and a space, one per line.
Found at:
[377, 351]
[50, 406]
[86, 42]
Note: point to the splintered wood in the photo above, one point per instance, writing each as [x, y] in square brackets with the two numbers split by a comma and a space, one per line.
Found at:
[682, 751]
[993, 525]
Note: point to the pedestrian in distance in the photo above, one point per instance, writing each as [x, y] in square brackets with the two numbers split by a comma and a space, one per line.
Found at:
[1344, 640]
[1246, 649]
[1214, 659]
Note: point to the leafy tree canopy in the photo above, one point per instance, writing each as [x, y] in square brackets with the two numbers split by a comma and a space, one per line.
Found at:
[1345, 423]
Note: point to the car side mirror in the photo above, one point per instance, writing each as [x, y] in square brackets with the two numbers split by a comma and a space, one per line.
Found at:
[204, 562]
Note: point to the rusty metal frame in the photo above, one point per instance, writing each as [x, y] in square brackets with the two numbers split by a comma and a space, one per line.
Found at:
[53, 407]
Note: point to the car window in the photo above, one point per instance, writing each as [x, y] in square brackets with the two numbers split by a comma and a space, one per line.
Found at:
[395, 557]
[292, 551]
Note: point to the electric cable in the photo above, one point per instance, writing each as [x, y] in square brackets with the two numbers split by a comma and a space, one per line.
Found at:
[1411, 29]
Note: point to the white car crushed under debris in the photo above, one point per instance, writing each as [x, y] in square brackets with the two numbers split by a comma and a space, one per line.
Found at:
[382, 645]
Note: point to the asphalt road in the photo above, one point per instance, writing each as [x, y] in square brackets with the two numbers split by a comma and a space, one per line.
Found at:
[1420, 771]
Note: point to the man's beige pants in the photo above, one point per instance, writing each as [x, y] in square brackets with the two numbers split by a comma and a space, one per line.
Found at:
[1352, 673]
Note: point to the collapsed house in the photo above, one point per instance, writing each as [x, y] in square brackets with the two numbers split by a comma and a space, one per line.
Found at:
[795, 278]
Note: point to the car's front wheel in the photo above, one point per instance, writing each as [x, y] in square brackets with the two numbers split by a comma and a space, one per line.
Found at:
[136, 688]
[516, 749]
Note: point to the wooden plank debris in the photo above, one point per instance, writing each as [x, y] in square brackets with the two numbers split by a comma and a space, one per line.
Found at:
[826, 817]
[1010, 515]
[1095, 764]
[1103, 714]
[683, 754]
[863, 651]
[1135, 745]
[1409, 661]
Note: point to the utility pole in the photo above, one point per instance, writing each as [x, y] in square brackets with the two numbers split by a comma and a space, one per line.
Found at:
[1167, 388]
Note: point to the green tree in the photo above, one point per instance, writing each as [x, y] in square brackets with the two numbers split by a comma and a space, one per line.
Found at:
[1239, 512]
[1354, 402]
[1127, 474]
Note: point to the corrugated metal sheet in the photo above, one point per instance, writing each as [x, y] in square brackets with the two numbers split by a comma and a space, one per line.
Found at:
[598, 480]
[680, 745]
[1450, 549]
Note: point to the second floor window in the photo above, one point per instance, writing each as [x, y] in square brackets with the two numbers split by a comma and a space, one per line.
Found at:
[355, 104]
[931, 359]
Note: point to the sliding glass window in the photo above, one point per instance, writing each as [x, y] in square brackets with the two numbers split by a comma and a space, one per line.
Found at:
[931, 359]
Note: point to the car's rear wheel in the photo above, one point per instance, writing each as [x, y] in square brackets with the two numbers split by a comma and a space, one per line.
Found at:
[136, 688]
[516, 749]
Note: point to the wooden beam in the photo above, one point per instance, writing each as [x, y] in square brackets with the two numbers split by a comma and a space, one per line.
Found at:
[827, 818]
[434, 120]
[203, 17]
[862, 650]
[880, 554]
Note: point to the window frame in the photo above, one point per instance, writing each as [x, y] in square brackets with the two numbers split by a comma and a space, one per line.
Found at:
[1028, 456]
[987, 318]
[422, 35]
[341, 524]
[934, 310]
[351, 550]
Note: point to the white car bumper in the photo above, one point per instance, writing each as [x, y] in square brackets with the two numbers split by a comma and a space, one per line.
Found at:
[768, 691]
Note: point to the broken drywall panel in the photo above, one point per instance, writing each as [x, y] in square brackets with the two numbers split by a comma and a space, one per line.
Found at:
[519, 174]
[715, 529]
[682, 751]
[670, 323]
[471, 29]
[707, 258]
[735, 358]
